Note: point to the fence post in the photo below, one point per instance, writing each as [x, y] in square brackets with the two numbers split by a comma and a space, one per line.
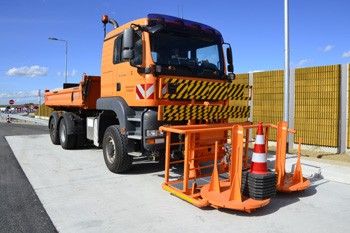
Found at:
[251, 77]
[290, 137]
[343, 107]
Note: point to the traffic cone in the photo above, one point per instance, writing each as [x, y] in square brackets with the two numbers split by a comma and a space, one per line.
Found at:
[8, 119]
[258, 163]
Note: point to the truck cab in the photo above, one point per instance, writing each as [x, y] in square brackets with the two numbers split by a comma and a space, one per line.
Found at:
[156, 47]
[155, 71]
[138, 55]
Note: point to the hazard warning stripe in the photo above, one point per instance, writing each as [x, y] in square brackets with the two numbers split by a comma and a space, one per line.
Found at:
[140, 91]
[203, 90]
[235, 91]
[200, 90]
[186, 112]
[145, 91]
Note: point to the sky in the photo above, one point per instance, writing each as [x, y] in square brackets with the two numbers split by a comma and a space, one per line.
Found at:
[319, 35]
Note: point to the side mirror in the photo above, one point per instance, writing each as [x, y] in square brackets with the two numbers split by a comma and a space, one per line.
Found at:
[229, 60]
[128, 44]
[229, 56]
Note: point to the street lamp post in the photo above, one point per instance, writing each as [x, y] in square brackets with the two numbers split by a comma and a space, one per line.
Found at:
[65, 73]
[286, 62]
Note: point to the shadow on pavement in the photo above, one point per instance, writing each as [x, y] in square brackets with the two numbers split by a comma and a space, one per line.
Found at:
[145, 166]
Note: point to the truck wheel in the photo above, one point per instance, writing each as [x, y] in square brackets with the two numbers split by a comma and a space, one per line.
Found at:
[67, 141]
[54, 132]
[115, 150]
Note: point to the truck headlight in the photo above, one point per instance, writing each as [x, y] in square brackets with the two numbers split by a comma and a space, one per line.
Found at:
[154, 133]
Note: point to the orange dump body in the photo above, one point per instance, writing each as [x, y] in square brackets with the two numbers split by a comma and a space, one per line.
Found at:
[83, 96]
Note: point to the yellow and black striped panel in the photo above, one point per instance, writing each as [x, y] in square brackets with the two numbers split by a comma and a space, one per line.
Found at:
[217, 92]
[236, 90]
[197, 89]
[199, 112]
[202, 90]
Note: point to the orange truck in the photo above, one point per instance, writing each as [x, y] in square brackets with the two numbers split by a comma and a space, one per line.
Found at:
[156, 71]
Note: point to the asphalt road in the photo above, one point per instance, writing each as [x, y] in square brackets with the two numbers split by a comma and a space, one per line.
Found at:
[20, 207]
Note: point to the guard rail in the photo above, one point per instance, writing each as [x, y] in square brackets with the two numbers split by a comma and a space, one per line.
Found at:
[23, 118]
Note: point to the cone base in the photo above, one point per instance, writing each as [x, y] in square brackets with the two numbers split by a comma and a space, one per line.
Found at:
[259, 186]
[258, 173]
[221, 200]
[288, 185]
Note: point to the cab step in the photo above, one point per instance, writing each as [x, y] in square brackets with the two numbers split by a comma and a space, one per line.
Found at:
[134, 118]
[135, 154]
[134, 135]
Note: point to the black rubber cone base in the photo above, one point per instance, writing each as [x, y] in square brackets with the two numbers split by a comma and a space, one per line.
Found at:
[259, 186]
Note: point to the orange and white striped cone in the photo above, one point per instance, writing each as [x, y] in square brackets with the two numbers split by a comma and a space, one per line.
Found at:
[258, 164]
[8, 119]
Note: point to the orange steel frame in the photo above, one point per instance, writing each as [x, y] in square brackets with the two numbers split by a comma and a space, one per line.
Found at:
[191, 159]
[200, 140]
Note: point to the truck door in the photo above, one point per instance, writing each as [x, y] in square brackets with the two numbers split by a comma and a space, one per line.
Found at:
[124, 73]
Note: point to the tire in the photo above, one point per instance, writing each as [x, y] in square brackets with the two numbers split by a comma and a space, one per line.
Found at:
[54, 132]
[115, 150]
[66, 141]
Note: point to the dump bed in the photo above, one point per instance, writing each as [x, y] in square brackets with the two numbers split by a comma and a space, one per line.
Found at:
[82, 96]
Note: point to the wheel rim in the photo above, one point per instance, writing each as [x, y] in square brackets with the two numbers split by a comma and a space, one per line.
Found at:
[63, 133]
[110, 150]
[52, 130]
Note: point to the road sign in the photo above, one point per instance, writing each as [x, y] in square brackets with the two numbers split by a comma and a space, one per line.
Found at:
[11, 102]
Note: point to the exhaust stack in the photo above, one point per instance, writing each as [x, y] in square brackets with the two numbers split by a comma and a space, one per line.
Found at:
[105, 20]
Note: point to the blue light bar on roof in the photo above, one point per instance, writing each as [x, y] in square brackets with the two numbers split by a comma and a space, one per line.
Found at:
[172, 22]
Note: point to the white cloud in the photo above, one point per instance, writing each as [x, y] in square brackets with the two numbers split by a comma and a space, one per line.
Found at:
[29, 72]
[303, 62]
[346, 54]
[74, 72]
[19, 94]
[327, 48]
[23, 97]
[20, 97]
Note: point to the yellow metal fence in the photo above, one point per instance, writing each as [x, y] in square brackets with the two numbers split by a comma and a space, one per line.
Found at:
[268, 98]
[316, 115]
[317, 102]
[44, 111]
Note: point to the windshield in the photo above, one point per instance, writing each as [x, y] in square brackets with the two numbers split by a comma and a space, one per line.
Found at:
[183, 54]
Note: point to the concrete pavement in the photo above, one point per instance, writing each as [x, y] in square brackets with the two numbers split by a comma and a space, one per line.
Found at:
[81, 195]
